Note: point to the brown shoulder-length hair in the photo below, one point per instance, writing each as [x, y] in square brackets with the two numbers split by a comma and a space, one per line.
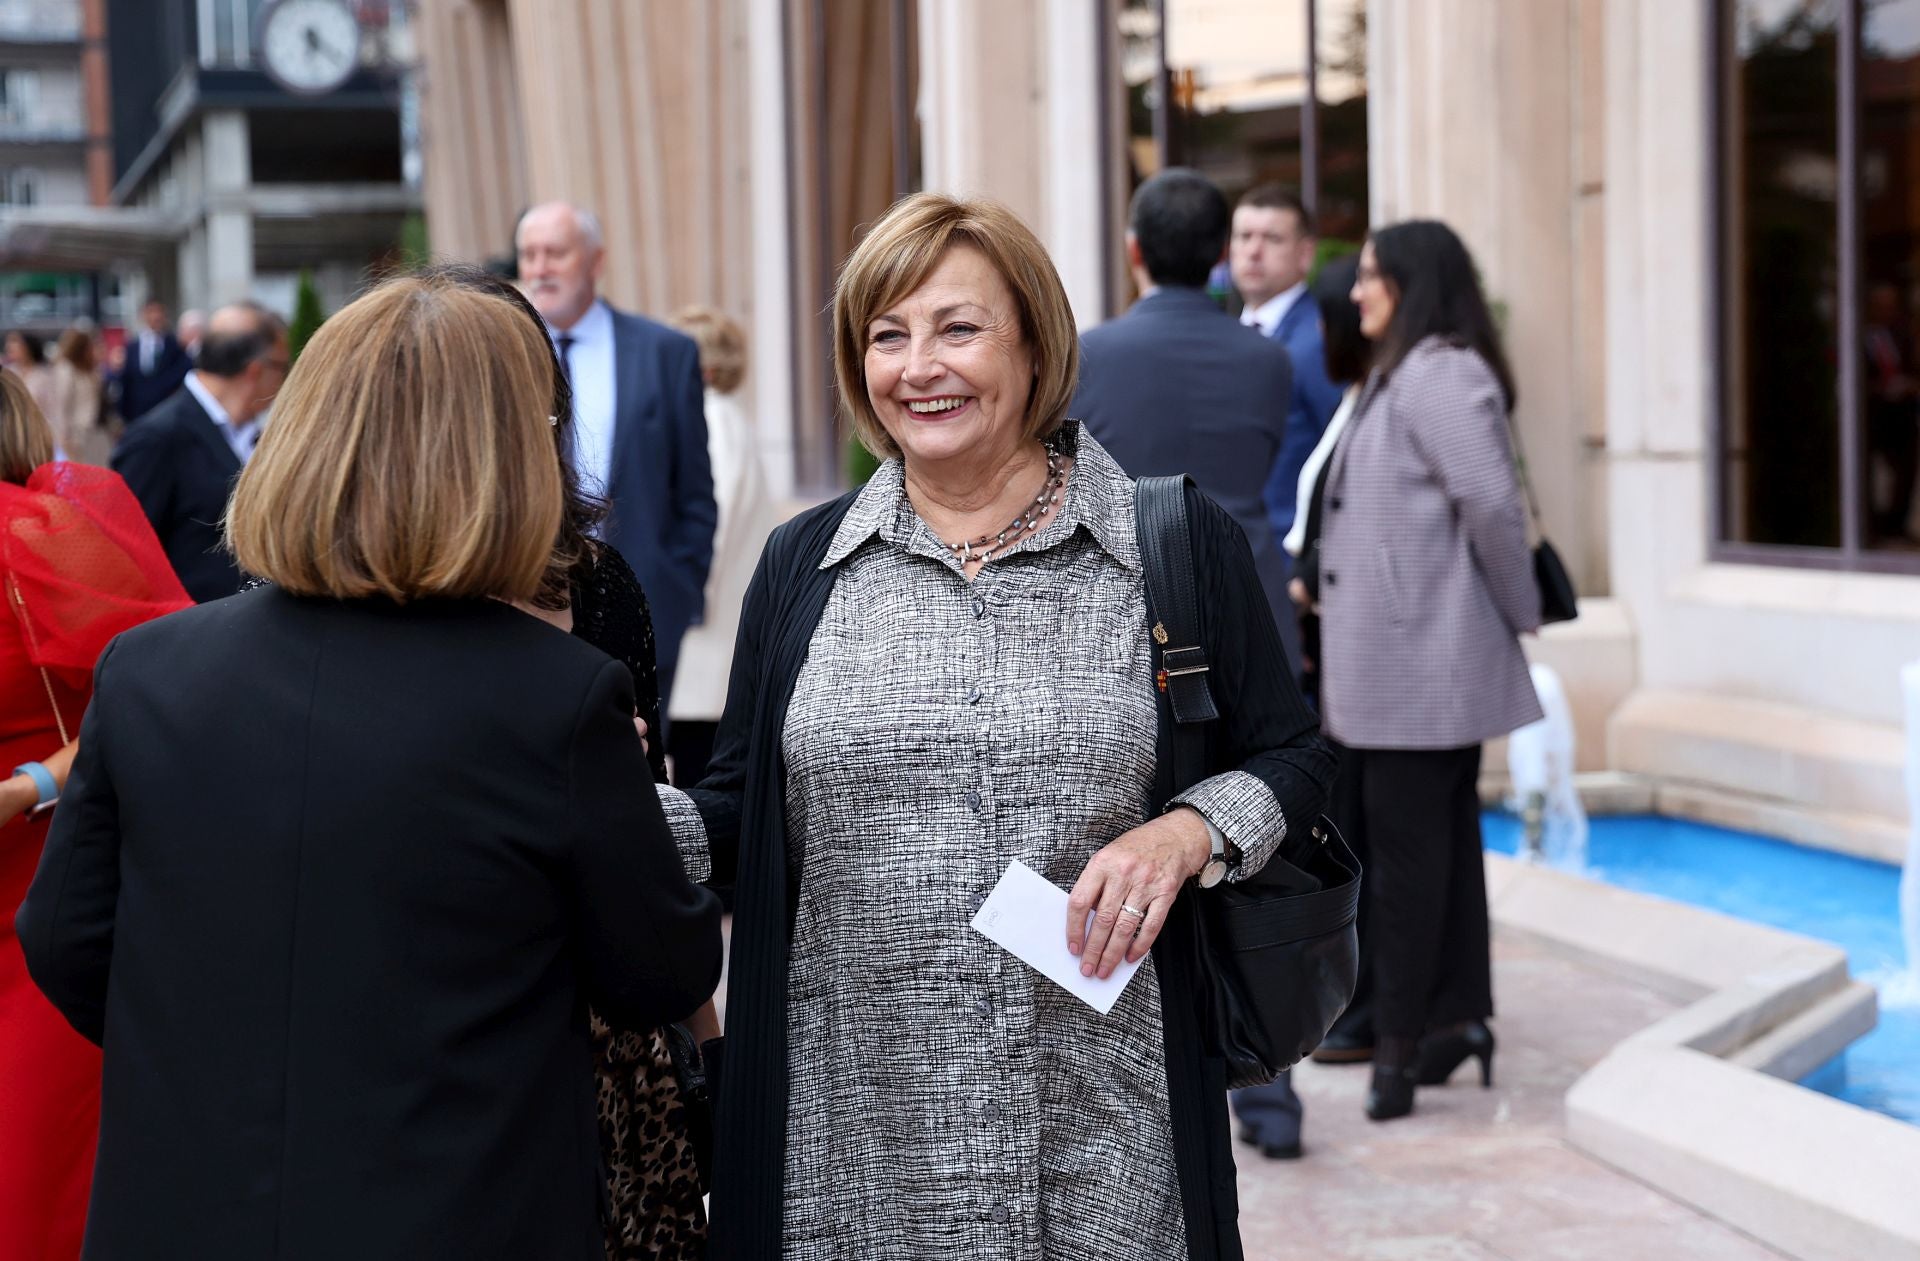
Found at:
[410, 453]
[902, 249]
[26, 440]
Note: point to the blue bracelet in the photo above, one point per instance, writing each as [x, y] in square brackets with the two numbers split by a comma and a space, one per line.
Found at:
[43, 780]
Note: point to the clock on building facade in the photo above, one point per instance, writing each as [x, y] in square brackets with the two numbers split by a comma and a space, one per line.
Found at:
[309, 46]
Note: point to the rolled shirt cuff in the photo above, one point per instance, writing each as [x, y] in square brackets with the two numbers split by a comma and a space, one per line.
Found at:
[1241, 805]
[689, 832]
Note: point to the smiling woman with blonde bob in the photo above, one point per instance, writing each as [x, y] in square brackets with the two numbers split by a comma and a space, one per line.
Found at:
[940, 675]
[344, 858]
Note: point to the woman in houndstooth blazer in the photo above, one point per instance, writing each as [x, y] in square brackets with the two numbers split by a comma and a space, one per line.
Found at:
[1426, 584]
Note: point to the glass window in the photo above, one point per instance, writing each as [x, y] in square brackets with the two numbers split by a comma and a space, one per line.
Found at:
[1781, 305]
[1238, 78]
[1251, 92]
[1889, 183]
[1820, 299]
[1340, 92]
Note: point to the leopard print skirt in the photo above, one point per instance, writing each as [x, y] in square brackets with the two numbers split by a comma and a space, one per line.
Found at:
[653, 1207]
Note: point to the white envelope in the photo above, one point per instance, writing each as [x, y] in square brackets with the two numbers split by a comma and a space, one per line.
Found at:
[1027, 915]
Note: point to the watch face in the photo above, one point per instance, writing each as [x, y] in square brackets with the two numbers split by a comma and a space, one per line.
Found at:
[1213, 873]
[310, 46]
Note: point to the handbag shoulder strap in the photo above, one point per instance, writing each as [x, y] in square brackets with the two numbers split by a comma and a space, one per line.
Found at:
[1166, 553]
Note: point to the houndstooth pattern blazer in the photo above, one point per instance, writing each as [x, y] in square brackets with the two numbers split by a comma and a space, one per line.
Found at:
[1426, 576]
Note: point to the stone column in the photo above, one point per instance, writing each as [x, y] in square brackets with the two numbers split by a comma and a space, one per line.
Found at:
[1487, 114]
[1010, 109]
[228, 173]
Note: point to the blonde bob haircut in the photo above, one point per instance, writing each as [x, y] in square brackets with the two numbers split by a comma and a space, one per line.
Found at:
[722, 342]
[898, 254]
[410, 454]
[26, 441]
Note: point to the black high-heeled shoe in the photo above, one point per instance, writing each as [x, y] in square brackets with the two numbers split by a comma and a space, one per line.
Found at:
[1445, 1050]
[1390, 1093]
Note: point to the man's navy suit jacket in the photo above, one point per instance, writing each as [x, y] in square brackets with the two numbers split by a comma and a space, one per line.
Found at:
[660, 486]
[1176, 385]
[141, 391]
[182, 471]
[1311, 406]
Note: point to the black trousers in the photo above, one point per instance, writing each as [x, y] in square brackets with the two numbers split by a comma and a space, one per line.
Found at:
[1343, 809]
[1430, 955]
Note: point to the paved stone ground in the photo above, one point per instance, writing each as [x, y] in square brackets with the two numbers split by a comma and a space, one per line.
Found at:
[1479, 1175]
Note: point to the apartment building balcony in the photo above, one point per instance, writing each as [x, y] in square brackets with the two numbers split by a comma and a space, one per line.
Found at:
[39, 23]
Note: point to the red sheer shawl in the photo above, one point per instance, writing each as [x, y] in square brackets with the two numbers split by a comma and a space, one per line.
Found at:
[79, 564]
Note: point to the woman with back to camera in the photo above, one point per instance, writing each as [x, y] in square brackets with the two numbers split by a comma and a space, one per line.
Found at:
[937, 675]
[653, 1203]
[343, 859]
[1426, 584]
[78, 565]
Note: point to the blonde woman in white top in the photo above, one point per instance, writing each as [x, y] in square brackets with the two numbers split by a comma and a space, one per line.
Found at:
[747, 515]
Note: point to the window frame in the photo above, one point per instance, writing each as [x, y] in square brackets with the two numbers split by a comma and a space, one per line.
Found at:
[1851, 556]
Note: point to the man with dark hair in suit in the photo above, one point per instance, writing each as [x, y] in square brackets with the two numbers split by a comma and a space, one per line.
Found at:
[1176, 385]
[1271, 256]
[182, 459]
[155, 366]
[639, 419]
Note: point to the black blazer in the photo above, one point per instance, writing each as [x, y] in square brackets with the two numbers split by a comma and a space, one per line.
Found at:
[182, 471]
[332, 883]
[1176, 385]
[1267, 730]
[140, 392]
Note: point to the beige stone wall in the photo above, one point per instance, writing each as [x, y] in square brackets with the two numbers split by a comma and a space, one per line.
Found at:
[1489, 114]
[1011, 110]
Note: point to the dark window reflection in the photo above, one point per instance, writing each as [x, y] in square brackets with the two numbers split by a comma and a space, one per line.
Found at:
[1341, 88]
[1238, 72]
[1890, 271]
[1782, 451]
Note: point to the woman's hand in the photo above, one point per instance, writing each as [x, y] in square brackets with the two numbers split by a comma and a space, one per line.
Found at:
[17, 796]
[640, 725]
[1130, 886]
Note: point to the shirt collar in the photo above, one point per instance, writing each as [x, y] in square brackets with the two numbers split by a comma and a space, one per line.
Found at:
[1268, 314]
[595, 326]
[205, 398]
[1099, 498]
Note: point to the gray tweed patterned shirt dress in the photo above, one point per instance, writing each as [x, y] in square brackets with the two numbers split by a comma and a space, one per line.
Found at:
[945, 1098]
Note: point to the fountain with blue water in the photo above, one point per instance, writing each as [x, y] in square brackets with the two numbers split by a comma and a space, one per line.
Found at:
[1903, 990]
[1870, 909]
[1541, 761]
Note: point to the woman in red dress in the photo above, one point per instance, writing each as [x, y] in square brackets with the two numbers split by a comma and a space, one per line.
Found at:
[78, 565]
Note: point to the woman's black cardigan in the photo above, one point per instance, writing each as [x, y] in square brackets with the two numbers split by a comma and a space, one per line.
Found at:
[1265, 729]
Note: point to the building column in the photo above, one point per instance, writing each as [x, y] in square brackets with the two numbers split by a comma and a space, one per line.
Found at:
[1010, 109]
[228, 175]
[1487, 114]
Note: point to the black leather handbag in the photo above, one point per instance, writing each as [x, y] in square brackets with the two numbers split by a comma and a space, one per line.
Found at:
[1558, 601]
[1278, 952]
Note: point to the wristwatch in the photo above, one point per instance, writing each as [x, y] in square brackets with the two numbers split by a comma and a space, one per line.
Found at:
[1220, 857]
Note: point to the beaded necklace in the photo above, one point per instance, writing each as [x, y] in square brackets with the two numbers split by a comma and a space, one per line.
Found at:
[987, 546]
